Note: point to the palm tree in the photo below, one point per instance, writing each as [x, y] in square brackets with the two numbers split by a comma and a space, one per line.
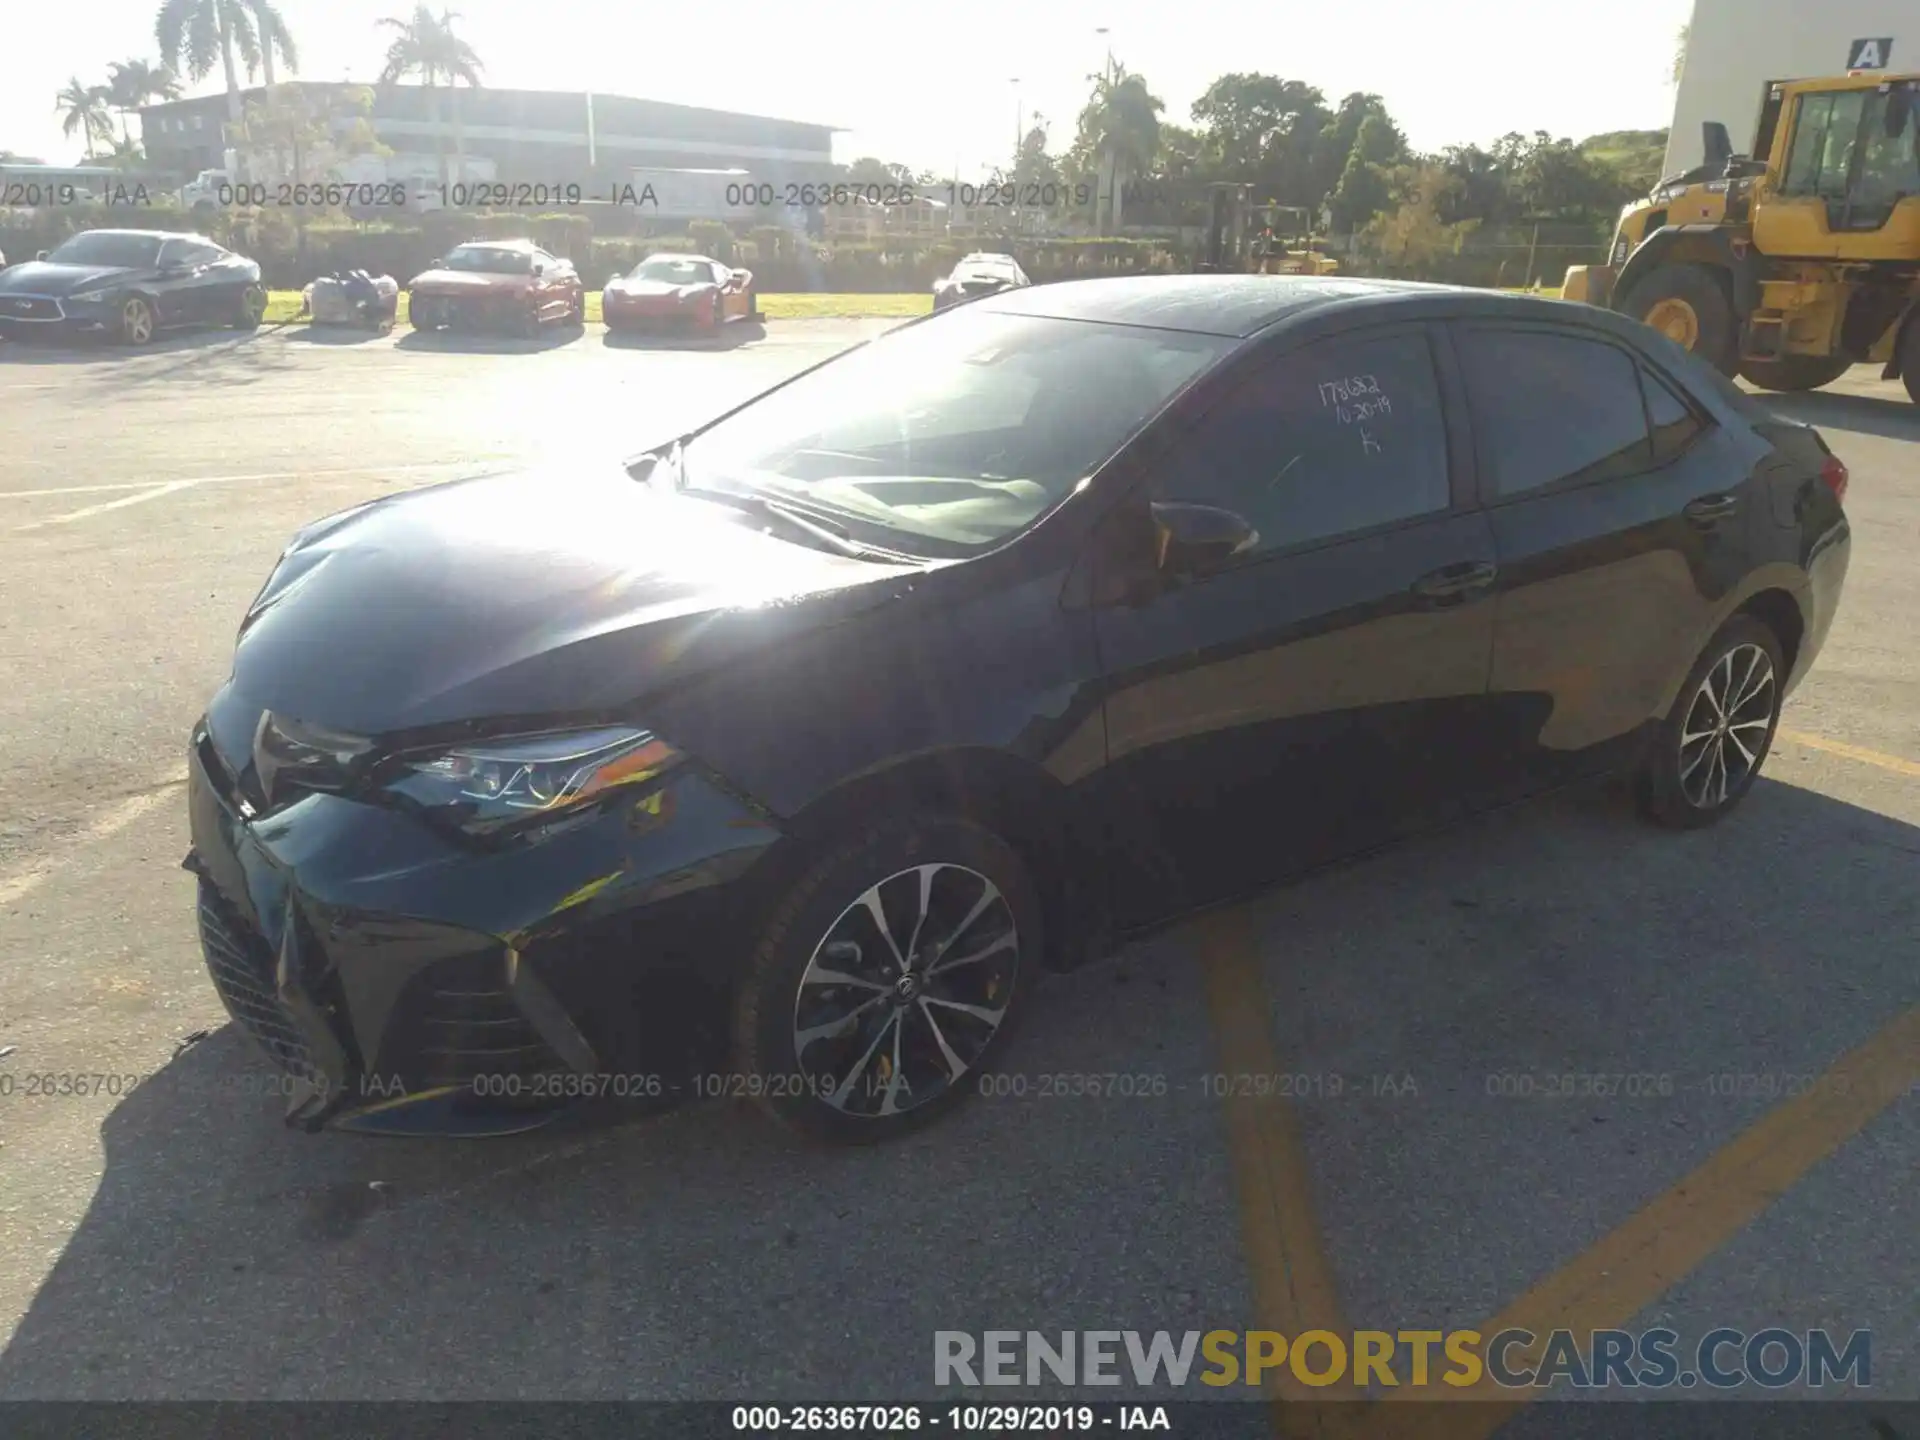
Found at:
[84, 108]
[426, 45]
[206, 33]
[131, 83]
[274, 36]
[1121, 128]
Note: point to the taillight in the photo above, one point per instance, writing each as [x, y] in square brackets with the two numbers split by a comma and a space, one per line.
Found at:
[1834, 474]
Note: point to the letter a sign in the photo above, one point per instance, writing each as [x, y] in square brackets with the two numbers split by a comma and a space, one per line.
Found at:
[1870, 54]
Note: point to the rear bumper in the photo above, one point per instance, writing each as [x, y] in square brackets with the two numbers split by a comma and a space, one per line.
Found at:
[403, 982]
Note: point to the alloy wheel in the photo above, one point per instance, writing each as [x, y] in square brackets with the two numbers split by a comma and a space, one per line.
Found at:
[906, 990]
[1724, 735]
[136, 321]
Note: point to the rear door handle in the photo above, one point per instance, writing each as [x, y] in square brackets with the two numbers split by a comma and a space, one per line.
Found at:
[1711, 509]
[1456, 582]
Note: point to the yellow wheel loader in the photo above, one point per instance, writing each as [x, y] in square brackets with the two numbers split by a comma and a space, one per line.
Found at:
[1791, 265]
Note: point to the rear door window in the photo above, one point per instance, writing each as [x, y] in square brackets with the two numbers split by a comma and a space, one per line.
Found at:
[1551, 409]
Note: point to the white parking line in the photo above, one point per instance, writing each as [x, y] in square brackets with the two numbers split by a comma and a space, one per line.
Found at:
[151, 491]
[23, 881]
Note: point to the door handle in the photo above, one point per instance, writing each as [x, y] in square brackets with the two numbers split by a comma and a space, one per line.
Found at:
[1454, 582]
[1711, 509]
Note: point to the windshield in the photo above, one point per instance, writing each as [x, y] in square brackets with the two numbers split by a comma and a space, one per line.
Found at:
[101, 248]
[490, 258]
[952, 435]
[674, 272]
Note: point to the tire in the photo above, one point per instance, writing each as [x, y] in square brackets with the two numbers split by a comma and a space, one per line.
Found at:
[1677, 785]
[753, 305]
[528, 325]
[138, 321]
[1795, 372]
[717, 315]
[577, 316]
[1910, 361]
[1697, 290]
[250, 309]
[859, 1086]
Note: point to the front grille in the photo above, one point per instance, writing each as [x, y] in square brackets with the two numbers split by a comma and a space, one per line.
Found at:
[458, 1022]
[29, 307]
[242, 968]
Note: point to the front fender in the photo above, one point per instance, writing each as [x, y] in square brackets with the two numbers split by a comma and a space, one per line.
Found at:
[1693, 244]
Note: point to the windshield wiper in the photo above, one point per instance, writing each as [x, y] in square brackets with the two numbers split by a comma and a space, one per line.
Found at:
[822, 534]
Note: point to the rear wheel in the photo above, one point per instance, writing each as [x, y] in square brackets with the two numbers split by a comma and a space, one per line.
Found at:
[1709, 750]
[1690, 306]
[1795, 372]
[886, 980]
[138, 323]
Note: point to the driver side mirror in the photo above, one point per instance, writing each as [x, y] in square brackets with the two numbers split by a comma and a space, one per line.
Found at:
[1191, 540]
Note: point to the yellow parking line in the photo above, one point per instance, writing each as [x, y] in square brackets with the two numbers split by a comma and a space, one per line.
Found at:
[1293, 1283]
[1645, 1257]
[1894, 763]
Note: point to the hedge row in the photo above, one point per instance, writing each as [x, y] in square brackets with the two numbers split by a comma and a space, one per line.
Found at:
[290, 254]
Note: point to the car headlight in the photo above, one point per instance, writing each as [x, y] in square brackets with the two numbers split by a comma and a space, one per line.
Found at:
[507, 782]
[91, 297]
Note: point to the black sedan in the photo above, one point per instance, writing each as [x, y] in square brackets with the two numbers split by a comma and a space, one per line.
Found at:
[130, 285]
[978, 275]
[954, 659]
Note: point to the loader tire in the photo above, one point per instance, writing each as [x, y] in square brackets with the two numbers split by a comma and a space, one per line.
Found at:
[1690, 305]
[1795, 372]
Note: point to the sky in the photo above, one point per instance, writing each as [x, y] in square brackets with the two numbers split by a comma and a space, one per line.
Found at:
[943, 86]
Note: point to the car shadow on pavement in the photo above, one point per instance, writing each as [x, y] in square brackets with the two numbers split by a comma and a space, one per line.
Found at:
[731, 337]
[310, 334]
[1870, 414]
[701, 1254]
[93, 350]
[478, 342]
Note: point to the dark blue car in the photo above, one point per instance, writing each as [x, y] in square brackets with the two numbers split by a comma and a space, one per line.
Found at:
[130, 285]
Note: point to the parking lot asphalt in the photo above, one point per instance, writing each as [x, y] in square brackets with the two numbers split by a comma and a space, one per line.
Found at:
[173, 1240]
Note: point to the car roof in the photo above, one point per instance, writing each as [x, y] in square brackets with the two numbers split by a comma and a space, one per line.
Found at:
[1240, 306]
[681, 255]
[151, 235]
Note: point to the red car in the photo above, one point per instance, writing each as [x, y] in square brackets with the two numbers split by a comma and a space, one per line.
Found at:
[497, 285]
[679, 291]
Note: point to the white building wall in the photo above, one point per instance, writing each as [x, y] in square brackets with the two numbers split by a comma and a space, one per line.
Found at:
[1734, 47]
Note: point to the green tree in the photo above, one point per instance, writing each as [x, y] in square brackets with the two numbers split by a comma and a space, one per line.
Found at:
[84, 108]
[1337, 139]
[304, 133]
[196, 35]
[1363, 190]
[1266, 131]
[428, 46]
[1412, 237]
[132, 83]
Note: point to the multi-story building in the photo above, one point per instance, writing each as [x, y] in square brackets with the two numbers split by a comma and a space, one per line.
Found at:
[534, 136]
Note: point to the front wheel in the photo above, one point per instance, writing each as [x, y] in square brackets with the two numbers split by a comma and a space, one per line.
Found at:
[886, 981]
[1708, 752]
[1795, 372]
[1690, 305]
[577, 313]
[250, 309]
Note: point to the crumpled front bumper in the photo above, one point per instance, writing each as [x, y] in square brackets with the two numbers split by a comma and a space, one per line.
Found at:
[407, 982]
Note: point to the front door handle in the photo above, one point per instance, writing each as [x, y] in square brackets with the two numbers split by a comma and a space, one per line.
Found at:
[1711, 509]
[1457, 582]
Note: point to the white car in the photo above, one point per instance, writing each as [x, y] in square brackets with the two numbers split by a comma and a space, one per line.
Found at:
[982, 273]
